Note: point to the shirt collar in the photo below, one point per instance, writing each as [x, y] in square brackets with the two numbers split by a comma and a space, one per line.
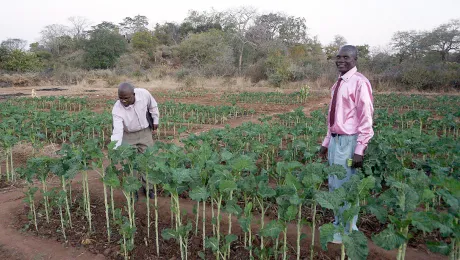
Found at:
[349, 74]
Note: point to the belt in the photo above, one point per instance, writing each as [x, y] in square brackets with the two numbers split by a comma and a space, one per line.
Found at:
[334, 135]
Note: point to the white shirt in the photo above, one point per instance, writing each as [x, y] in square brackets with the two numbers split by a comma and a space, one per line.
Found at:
[133, 117]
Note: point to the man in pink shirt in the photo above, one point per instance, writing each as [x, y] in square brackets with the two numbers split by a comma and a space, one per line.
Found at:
[349, 125]
[130, 122]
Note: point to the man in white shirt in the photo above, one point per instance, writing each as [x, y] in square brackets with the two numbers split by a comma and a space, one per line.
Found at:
[130, 124]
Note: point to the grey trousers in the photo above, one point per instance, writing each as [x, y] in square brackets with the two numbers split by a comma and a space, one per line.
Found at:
[141, 140]
[340, 149]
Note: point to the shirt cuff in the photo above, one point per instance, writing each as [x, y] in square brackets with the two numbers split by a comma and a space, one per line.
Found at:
[326, 142]
[155, 120]
[359, 150]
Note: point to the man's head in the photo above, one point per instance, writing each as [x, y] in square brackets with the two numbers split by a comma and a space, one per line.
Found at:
[126, 94]
[346, 58]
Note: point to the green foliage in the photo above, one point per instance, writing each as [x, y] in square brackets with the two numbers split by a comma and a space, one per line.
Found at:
[276, 67]
[389, 239]
[144, 41]
[208, 52]
[356, 245]
[20, 61]
[103, 49]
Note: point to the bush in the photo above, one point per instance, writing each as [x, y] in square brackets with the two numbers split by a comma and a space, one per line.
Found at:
[182, 73]
[256, 71]
[276, 67]
[208, 52]
[431, 77]
[20, 61]
[103, 49]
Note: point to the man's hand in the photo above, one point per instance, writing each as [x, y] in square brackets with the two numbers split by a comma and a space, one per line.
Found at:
[155, 127]
[357, 161]
[323, 151]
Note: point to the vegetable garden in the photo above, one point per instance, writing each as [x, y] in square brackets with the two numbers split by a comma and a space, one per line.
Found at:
[256, 191]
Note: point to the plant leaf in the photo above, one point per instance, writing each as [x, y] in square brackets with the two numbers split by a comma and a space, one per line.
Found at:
[356, 245]
[326, 235]
[272, 229]
[388, 239]
[439, 247]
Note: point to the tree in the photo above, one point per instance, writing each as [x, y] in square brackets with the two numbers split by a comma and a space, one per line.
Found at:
[14, 44]
[332, 48]
[363, 51]
[293, 30]
[209, 52]
[21, 61]
[105, 26]
[204, 21]
[408, 44]
[168, 33]
[103, 48]
[444, 38]
[138, 23]
[53, 37]
[144, 41]
[78, 27]
[238, 21]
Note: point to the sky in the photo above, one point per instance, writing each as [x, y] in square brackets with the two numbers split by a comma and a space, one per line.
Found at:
[370, 22]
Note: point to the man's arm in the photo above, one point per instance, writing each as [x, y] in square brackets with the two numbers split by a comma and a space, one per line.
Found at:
[153, 109]
[117, 133]
[364, 110]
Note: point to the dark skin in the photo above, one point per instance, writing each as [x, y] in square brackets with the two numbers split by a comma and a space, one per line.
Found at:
[345, 61]
[127, 97]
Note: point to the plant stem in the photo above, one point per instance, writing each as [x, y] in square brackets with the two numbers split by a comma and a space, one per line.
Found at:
[313, 229]
[285, 243]
[112, 202]
[197, 217]
[218, 224]
[156, 220]
[204, 226]
[106, 204]
[229, 225]
[147, 188]
[66, 201]
[45, 199]
[62, 223]
[299, 230]
[32, 207]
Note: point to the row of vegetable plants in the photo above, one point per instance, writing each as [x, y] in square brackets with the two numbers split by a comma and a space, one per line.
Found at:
[409, 182]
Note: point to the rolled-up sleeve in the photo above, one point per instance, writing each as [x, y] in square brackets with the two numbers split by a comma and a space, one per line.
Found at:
[117, 133]
[153, 109]
[364, 113]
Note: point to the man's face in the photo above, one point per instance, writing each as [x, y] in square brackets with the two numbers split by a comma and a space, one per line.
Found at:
[126, 98]
[345, 61]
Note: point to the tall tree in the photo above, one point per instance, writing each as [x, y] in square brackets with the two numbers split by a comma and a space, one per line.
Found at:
[238, 21]
[444, 38]
[53, 37]
[78, 27]
[332, 48]
[167, 33]
[14, 44]
[408, 44]
[130, 25]
[104, 47]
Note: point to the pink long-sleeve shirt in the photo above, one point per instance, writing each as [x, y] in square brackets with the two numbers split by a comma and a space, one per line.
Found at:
[133, 117]
[353, 114]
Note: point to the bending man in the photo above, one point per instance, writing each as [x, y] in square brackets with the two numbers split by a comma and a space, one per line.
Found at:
[130, 122]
